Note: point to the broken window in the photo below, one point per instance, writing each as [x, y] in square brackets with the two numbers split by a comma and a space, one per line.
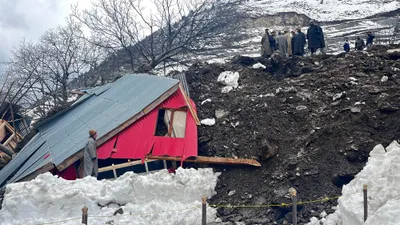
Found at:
[171, 123]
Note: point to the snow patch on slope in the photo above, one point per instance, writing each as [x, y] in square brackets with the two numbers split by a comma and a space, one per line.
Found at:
[381, 174]
[48, 198]
[329, 10]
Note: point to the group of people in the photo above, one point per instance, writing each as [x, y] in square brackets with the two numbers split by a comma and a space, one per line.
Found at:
[293, 43]
[359, 43]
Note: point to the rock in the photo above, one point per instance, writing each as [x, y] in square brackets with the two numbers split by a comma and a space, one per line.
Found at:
[231, 193]
[354, 147]
[384, 79]
[355, 109]
[205, 101]
[220, 114]
[301, 107]
[258, 66]
[208, 122]
[338, 96]
[226, 89]
[119, 211]
[229, 78]
[388, 108]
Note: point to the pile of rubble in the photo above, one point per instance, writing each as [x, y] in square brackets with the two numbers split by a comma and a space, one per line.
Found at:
[311, 121]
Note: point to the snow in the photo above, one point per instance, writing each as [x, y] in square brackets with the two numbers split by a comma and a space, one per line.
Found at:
[329, 10]
[208, 122]
[229, 78]
[157, 199]
[259, 66]
[382, 179]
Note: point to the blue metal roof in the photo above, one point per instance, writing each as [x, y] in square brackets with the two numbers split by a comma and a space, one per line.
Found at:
[102, 108]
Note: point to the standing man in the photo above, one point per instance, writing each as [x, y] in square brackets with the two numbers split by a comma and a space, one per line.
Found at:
[359, 43]
[272, 41]
[289, 41]
[282, 43]
[315, 37]
[91, 166]
[299, 43]
[266, 50]
[370, 39]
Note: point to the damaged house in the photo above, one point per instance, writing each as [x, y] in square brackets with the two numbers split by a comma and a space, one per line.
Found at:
[137, 116]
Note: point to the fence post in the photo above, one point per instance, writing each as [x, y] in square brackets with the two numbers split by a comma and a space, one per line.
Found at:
[85, 215]
[293, 194]
[365, 202]
[204, 211]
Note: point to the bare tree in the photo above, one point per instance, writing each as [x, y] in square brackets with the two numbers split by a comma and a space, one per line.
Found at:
[163, 31]
[64, 55]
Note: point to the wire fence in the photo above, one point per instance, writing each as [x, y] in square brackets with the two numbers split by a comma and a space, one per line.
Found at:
[204, 205]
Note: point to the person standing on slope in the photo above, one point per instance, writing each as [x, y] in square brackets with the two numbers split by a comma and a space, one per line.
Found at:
[370, 39]
[90, 156]
[282, 44]
[315, 37]
[299, 43]
[346, 46]
[266, 50]
[272, 41]
[359, 43]
[289, 41]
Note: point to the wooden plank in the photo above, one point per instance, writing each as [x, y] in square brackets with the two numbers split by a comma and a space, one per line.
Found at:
[187, 100]
[124, 165]
[119, 128]
[211, 160]
[41, 170]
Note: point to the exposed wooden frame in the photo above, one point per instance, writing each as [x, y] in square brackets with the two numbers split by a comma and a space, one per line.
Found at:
[124, 165]
[187, 100]
[211, 160]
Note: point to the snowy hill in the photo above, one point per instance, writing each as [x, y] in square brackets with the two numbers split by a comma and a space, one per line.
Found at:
[322, 10]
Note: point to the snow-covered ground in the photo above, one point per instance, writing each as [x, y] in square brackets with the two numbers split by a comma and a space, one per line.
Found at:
[154, 199]
[381, 174]
[322, 10]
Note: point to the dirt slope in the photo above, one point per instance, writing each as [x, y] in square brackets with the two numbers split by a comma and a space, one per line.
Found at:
[310, 121]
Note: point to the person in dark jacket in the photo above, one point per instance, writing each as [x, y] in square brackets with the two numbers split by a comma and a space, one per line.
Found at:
[272, 40]
[299, 43]
[370, 39]
[359, 43]
[346, 46]
[91, 167]
[293, 33]
[315, 37]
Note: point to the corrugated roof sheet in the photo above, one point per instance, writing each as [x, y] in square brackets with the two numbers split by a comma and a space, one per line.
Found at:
[103, 108]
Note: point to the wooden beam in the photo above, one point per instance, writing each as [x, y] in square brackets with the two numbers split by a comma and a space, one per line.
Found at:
[187, 100]
[124, 165]
[121, 127]
[211, 160]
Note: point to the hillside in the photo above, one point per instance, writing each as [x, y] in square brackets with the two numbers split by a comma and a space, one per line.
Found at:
[311, 121]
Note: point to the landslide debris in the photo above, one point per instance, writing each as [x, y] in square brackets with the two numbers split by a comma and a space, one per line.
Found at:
[311, 122]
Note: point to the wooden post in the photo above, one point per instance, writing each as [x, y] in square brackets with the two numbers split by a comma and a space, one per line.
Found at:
[114, 171]
[85, 215]
[204, 211]
[165, 164]
[293, 194]
[365, 202]
[146, 166]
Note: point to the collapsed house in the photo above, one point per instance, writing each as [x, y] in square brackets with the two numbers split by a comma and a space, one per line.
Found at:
[13, 128]
[138, 117]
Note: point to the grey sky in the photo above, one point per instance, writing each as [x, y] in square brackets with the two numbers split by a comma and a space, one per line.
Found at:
[29, 19]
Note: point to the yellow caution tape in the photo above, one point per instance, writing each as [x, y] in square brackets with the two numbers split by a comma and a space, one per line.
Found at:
[272, 205]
